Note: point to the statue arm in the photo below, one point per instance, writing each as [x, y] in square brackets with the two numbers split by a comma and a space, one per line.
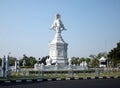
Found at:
[62, 26]
[53, 26]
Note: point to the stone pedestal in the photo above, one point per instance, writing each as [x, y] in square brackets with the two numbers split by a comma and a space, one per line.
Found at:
[58, 50]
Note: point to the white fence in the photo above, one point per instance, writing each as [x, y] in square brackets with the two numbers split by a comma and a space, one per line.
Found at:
[59, 67]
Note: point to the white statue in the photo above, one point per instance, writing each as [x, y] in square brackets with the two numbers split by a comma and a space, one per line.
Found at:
[48, 61]
[57, 24]
[24, 63]
[69, 61]
[58, 55]
[84, 65]
[36, 65]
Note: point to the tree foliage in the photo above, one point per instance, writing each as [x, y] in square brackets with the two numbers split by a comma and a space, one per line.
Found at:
[32, 60]
[74, 61]
[0, 61]
[88, 60]
[77, 60]
[95, 59]
[12, 60]
[114, 55]
[29, 61]
[94, 62]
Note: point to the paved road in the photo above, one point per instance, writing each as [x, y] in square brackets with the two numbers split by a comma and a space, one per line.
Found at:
[94, 83]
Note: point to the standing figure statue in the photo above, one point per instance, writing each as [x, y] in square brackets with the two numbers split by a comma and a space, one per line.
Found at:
[24, 63]
[57, 24]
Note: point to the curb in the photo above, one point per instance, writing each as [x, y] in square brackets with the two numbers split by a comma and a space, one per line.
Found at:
[54, 79]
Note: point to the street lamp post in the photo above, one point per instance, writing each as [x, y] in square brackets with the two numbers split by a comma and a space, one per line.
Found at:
[7, 72]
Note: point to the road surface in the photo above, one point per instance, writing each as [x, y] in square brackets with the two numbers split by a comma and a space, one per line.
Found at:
[89, 83]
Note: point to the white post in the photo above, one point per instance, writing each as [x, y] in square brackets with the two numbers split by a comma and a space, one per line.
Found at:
[42, 70]
[18, 65]
[15, 65]
[6, 66]
[3, 66]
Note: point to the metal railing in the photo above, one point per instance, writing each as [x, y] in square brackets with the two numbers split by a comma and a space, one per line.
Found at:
[91, 72]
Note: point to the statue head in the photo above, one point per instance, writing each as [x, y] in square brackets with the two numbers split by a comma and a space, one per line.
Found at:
[58, 16]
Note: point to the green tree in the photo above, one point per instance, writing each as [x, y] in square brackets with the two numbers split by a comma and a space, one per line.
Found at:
[82, 59]
[94, 62]
[75, 60]
[32, 60]
[0, 61]
[114, 55]
[12, 60]
[29, 61]
[92, 56]
[26, 59]
[101, 54]
[88, 61]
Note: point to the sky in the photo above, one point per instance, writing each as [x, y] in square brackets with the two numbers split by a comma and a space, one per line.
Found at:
[93, 26]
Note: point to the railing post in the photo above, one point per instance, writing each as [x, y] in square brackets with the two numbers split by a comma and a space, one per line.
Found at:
[70, 71]
[56, 66]
[97, 72]
[42, 71]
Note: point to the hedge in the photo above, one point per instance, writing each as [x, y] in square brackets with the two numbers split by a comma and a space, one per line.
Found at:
[66, 71]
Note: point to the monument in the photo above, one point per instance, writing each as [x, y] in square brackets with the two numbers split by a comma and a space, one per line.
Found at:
[58, 47]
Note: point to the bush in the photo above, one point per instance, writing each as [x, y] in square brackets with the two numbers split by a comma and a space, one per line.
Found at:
[63, 72]
[26, 66]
